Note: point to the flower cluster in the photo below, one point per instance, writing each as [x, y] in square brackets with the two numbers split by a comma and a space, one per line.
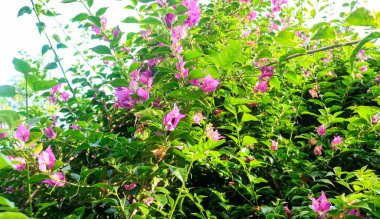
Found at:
[54, 92]
[321, 205]
[266, 74]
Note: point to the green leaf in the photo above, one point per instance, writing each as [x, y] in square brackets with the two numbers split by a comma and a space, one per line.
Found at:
[146, 1]
[7, 91]
[13, 215]
[292, 52]
[249, 140]
[51, 66]
[361, 17]
[248, 117]
[191, 55]
[68, 1]
[285, 38]
[4, 162]
[101, 11]
[23, 10]
[103, 50]
[103, 186]
[41, 26]
[38, 178]
[43, 84]
[324, 32]
[179, 172]
[6, 202]
[61, 46]
[90, 3]
[45, 48]
[21, 65]
[130, 20]
[196, 74]
[119, 82]
[366, 39]
[152, 20]
[80, 17]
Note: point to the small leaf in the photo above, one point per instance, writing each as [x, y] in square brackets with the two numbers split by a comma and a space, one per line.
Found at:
[152, 20]
[7, 91]
[249, 140]
[248, 117]
[101, 11]
[324, 32]
[51, 65]
[179, 172]
[68, 1]
[6, 202]
[45, 48]
[191, 55]
[38, 178]
[43, 84]
[90, 3]
[103, 50]
[80, 17]
[103, 186]
[21, 65]
[23, 10]
[61, 46]
[4, 162]
[196, 74]
[13, 215]
[119, 82]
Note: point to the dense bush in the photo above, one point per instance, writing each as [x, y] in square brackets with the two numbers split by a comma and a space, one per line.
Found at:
[229, 109]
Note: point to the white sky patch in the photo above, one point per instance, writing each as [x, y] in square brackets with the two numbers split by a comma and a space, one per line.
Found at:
[20, 33]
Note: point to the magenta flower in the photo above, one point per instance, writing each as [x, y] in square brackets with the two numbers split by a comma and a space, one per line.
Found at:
[130, 186]
[318, 150]
[65, 96]
[194, 12]
[321, 130]
[56, 179]
[169, 19]
[75, 127]
[212, 134]
[143, 94]
[171, 119]
[198, 117]
[55, 89]
[52, 99]
[46, 160]
[116, 32]
[321, 205]
[274, 145]
[3, 135]
[252, 16]
[22, 133]
[261, 86]
[49, 132]
[356, 213]
[266, 73]
[148, 201]
[196, 82]
[178, 33]
[245, 33]
[96, 29]
[182, 72]
[336, 141]
[375, 119]
[19, 163]
[161, 3]
[209, 84]
[363, 68]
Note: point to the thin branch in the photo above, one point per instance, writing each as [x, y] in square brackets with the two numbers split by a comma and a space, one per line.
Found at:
[54, 51]
[30, 198]
[313, 51]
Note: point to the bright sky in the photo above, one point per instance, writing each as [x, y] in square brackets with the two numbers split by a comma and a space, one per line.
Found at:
[20, 33]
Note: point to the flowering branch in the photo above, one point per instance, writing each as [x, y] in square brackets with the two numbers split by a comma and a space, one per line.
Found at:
[313, 51]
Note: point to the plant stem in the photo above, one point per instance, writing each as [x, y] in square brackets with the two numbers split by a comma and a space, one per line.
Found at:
[56, 57]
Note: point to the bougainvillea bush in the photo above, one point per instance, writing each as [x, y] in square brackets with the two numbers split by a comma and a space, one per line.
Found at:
[219, 109]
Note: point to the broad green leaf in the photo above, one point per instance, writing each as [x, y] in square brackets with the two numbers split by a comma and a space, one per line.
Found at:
[152, 20]
[146, 1]
[119, 82]
[6, 202]
[191, 55]
[43, 85]
[7, 91]
[178, 172]
[68, 1]
[103, 50]
[131, 20]
[90, 3]
[13, 215]
[366, 39]
[196, 74]
[80, 17]
[45, 48]
[11, 118]
[61, 46]
[285, 38]
[21, 65]
[101, 11]
[38, 178]
[4, 162]
[247, 140]
[103, 186]
[248, 117]
[23, 10]
[361, 17]
[324, 32]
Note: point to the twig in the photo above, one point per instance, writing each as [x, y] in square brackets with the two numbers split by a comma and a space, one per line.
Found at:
[30, 198]
[313, 51]
[55, 52]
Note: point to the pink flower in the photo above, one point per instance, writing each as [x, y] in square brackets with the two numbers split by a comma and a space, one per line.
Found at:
[49, 132]
[65, 96]
[307, 73]
[198, 117]
[266, 73]
[318, 150]
[245, 33]
[364, 68]
[161, 3]
[46, 160]
[274, 145]
[96, 29]
[116, 32]
[20, 163]
[261, 86]
[288, 212]
[22, 133]
[169, 19]
[252, 16]
[183, 73]
[130, 186]
[148, 201]
[3, 135]
[178, 33]
[321, 130]
[321, 205]
[356, 213]
[75, 127]
[376, 118]
[171, 119]
[196, 82]
[55, 89]
[56, 179]
[212, 134]
[336, 141]
[209, 84]
[52, 99]
[194, 12]
[143, 94]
